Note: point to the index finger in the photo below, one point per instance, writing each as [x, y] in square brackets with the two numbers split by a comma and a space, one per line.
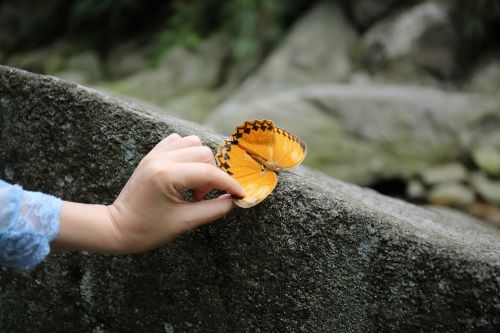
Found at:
[203, 175]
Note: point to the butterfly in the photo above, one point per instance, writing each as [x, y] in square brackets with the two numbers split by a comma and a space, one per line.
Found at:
[257, 151]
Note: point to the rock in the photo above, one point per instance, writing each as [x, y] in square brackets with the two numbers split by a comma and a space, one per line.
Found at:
[365, 12]
[486, 212]
[415, 189]
[487, 158]
[316, 50]
[489, 189]
[362, 133]
[318, 255]
[444, 173]
[181, 71]
[451, 194]
[421, 37]
[486, 75]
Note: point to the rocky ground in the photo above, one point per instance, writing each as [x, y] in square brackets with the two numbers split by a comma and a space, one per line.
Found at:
[318, 255]
[379, 94]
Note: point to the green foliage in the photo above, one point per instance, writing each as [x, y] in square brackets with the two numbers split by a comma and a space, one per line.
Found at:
[253, 26]
[476, 19]
[183, 27]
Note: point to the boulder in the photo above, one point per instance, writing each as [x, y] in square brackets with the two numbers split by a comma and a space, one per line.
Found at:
[316, 50]
[451, 194]
[408, 45]
[363, 133]
[192, 72]
[318, 255]
[444, 173]
[489, 189]
[487, 158]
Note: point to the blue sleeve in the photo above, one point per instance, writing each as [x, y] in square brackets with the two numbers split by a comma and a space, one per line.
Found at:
[29, 221]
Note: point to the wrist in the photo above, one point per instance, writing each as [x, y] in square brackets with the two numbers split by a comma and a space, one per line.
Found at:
[86, 227]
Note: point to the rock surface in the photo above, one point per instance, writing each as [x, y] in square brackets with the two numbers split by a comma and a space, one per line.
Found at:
[489, 189]
[316, 50]
[363, 133]
[451, 194]
[186, 76]
[318, 255]
[487, 158]
[421, 37]
[444, 173]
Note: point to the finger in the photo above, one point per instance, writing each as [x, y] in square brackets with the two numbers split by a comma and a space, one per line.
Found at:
[200, 154]
[197, 213]
[187, 141]
[165, 142]
[202, 175]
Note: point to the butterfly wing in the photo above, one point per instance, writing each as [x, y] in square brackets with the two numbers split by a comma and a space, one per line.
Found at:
[267, 143]
[256, 137]
[288, 150]
[255, 181]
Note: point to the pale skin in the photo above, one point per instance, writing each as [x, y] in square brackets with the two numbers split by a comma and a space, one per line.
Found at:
[150, 210]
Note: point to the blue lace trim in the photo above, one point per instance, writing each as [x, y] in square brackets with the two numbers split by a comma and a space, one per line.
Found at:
[29, 221]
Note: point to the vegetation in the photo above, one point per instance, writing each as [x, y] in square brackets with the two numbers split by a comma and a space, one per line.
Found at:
[253, 26]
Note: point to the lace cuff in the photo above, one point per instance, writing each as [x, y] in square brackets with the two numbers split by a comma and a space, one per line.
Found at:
[29, 221]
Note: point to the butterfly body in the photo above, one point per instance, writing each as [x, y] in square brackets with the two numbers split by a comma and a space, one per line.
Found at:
[266, 165]
[257, 151]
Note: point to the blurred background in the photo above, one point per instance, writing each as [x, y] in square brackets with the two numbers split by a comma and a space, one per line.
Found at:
[400, 96]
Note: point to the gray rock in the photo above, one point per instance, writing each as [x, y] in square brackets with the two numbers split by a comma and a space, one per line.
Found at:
[363, 133]
[451, 194]
[487, 158]
[316, 50]
[444, 173]
[179, 70]
[318, 255]
[421, 37]
[415, 189]
[184, 75]
[489, 189]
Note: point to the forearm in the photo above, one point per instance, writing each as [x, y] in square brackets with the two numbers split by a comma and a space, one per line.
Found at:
[85, 227]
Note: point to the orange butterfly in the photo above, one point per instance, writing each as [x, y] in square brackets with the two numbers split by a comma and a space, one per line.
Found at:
[254, 155]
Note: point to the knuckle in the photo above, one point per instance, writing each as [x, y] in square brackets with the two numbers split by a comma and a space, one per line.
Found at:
[207, 153]
[194, 140]
[173, 136]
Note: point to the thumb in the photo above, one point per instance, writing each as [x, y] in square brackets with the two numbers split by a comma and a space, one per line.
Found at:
[201, 212]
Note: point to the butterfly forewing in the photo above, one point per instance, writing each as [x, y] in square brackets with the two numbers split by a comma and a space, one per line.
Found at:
[256, 137]
[288, 150]
[255, 181]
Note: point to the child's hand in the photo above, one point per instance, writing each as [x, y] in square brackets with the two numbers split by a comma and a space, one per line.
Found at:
[150, 210]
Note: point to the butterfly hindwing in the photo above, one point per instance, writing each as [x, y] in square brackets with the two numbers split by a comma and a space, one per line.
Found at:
[288, 150]
[257, 182]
